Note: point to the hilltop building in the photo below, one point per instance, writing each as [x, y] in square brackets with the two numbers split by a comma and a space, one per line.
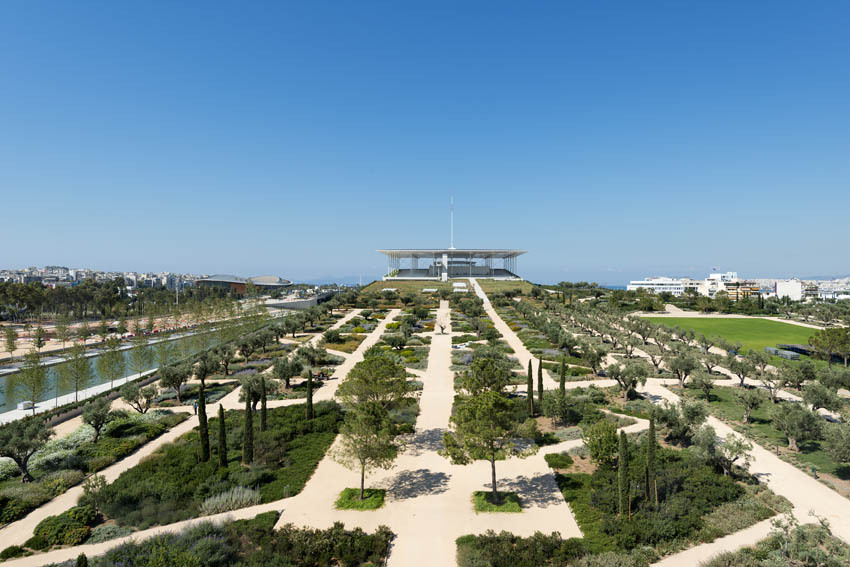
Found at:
[441, 264]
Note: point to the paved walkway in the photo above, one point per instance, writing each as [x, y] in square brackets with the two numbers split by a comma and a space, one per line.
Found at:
[521, 353]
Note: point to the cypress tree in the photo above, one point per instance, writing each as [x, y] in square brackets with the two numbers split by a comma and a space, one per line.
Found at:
[263, 409]
[202, 424]
[222, 438]
[540, 384]
[563, 384]
[650, 459]
[248, 442]
[82, 560]
[309, 394]
[530, 392]
[623, 473]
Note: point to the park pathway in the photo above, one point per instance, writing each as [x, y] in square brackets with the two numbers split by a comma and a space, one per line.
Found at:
[521, 353]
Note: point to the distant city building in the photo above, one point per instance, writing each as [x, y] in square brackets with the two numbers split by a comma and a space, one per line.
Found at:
[268, 283]
[728, 282]
[673, 286]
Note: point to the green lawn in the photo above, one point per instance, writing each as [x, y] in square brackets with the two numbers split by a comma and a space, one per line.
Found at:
[752, 333]
[349, 499]
[483, 501]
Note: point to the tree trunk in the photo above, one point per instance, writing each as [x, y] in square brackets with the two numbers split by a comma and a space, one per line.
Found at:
[792, 444]
[746, 416]
[362, 480]
[493, 477]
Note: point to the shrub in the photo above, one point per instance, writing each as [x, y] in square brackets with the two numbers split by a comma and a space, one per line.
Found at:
[171, 485]
[36, 542]
[108, 532]
[508, 550]
[333, 336]
[12, 551]
[558, 460]
[233, 499]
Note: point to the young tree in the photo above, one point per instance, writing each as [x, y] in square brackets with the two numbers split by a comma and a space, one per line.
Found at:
[31, 381]
[97, 414]
[21, 439]
[79, 373]
[530, 391]
[103, 330]
[396, 341]
[703, 381]
[733, 449]
[742, 368]
[751, 399]
[83, 332]
[140, 399]
[628, 376]
[600, 439]
[562, 386]
[484, 426]
[819, 396]
[681, 364]
[226, 354]
[711, 361]
[174, 377]
[246, 348]
[164, 353]
[286, 369]
[10, 338]
[592, 356]
[651, 448]
[222, 438]
[308, 409]
[206, 366]
[367, 441]
[377, 379]
[248, 441]
[110, 364]
[540, 383]
[39, 338]
[772, 382]
[263, 408]
[837, 441]
[62, 329]
[141, 356]
[797, 423]
[798, 373]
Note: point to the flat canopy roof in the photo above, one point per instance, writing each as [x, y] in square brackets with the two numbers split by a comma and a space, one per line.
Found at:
[467, 252]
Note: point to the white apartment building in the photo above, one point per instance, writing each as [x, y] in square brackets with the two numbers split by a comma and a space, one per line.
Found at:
[792, 289]
[708, 287]
[672, 286]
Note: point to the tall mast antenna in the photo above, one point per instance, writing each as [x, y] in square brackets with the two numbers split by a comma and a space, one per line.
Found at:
[452, 224]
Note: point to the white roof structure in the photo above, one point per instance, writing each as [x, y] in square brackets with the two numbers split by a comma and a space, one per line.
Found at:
[440, 264]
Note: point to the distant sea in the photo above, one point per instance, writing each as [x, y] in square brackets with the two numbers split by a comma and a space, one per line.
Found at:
[611, 286]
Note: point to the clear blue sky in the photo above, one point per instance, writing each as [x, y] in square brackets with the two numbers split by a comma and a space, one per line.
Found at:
[610, 139]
